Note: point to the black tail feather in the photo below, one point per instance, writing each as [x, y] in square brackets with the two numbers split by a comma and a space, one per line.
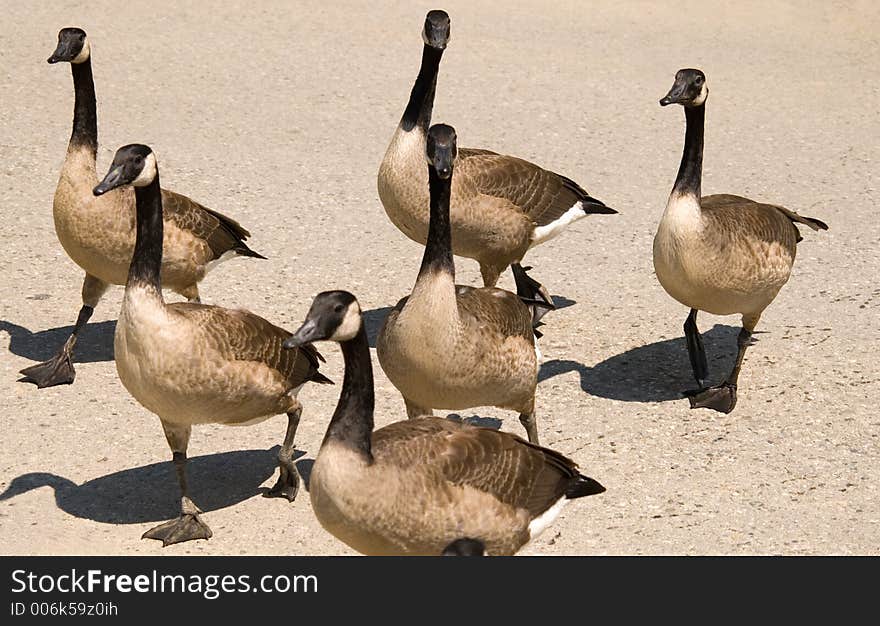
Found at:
[238, 232]
[590, 204]
[812, 222]
[319, 378]
[583, 486]
[242, 250]
[596, 207]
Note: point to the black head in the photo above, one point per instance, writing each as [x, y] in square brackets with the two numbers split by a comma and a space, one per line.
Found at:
[333, 316]
[442, 149]
[465, 547]
[73, 46]
[134, 164]
[689, 89]
[436, 33]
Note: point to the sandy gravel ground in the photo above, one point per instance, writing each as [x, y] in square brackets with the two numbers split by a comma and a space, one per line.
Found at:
[279, 116]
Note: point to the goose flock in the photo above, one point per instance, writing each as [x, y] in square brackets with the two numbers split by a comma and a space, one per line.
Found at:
[424, 485]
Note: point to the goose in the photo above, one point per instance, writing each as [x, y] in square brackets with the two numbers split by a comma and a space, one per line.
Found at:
[722, 254]
[192, 363]
[501, 205]
[415, 486]
[449, 346]
[98, 233]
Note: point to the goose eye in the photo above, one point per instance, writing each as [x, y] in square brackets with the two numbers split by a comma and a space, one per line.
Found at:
[699, 80]
[338, 308]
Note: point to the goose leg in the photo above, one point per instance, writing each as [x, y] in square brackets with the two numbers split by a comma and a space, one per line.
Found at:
[531, 424]
[696, 352]
[189, 525]
[723, 397]
[414, 410]
[288, 479]
[59, 369]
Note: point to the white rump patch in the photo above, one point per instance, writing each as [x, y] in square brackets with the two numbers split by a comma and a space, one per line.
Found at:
[294, 392]
[84, 54]
[148, 173]
[549, 231]
[223, 257]
[543, 521]
[350, 325]
[538, 354]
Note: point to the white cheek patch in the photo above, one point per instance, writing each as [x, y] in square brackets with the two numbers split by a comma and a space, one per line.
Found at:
[704, 93]
[84, 54]
[148, 173]
[350, 325]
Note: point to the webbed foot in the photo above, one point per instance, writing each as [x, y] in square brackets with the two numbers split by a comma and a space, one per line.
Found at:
[56, 371]
[721, 398]
[187, 527]
[287, 485]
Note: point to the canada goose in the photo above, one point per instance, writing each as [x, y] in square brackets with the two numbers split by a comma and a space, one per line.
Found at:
[191, 363]
[721, 254]
[447, 346]
[98, 233]
[413, 487]
[501, 205]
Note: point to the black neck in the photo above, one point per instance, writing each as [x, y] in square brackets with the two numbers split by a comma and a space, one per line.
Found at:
[421, 99]
[146, 262]
[438, 249]
[690, 171]
[85, 114]
[352, 422]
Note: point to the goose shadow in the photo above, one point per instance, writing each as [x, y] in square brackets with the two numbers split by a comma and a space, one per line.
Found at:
[656, 372]
[373, 320]
[304, 468]
[475, 420]
[94, 343]
[149, 493]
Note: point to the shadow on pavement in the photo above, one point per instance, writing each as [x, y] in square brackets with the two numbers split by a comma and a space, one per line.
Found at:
[150, 493]
[373, 320]
[94, 343]
[653, 373]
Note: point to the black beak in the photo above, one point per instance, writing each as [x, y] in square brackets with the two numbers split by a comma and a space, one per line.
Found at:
[674, 96]
[307, 333]
[112, 180]
[443, 159]
[62, 53]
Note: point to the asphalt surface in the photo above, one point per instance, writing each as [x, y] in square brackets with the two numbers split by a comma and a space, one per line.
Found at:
[279, 115]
